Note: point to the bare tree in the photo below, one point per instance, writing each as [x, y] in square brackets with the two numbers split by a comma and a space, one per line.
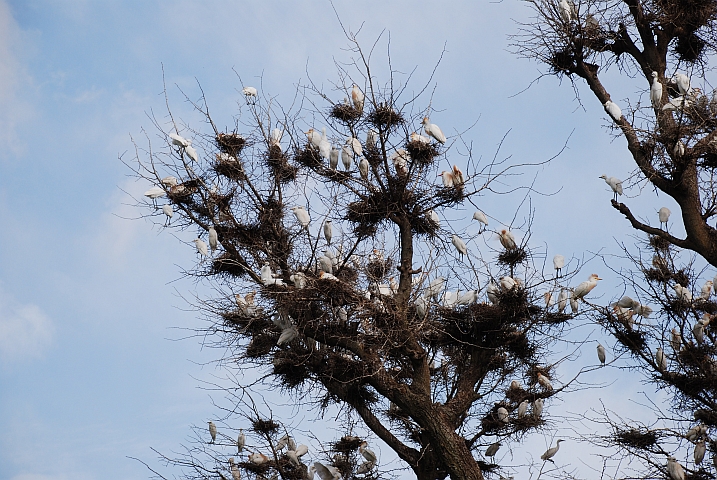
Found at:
[670, 133]
[334, 275]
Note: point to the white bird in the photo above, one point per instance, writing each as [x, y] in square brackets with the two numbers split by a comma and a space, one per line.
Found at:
[467, 298]
[538, 405]
[179, 140]
[458, 179]
[549, 301]
[417, 137]
[325, 263]
[365, 467]
[656, 91]
[421, 307]
[664, 215]
[357, 97]
[287, 335]
[326, 472]
[481, 217]
[367, 453]
[170, 181]
[683, 293]
[699, 453]
[615, 184]
[558, 263]
[699, 332]
[448, 178]
[433, 217]
[574, 305]
[433, 130]
[192, 153]
[502, 414]
[613, 110]
[155, 192]
[371, 137]
[241, 440]
[544, 381]
[328, 276]
[328, 231]
[550, 453]
[679, 149]
[706, 291]
[585, 287]
[363, 168]
[236, 474]
[355, 145]
[213, 238]
[523, 408]
[201, 247]
[492, 449]
[346, 157]
[507, 239]
[677, 104]
[258, 458]
[449, 299]
[601, 353]
[507, 283]
[675, 469]
[661, 359]
[683, 82]
[492, 292]
[334, 158]
[460, 245]
[675, 340]
[249, 92]
[324, 146]
[168, 211]
[314, 137]
[301, 450]
[268, 277]
[435, 287]
[302, 216]
[275, 139]
[643, 310]
[562, 300]
[293, 457]
[212, 431]
[400, 161]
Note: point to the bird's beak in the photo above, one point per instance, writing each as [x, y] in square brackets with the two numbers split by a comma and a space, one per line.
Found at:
[599, 278]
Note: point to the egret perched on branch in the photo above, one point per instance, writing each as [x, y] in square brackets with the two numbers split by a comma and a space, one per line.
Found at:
[460, 245]
[601, 353]
[458, 178]
[213, 238]
[664, 215]
[675, 340]
[448, 178]
[507, 283]
[507, 239]
[417, 137]
[192, 153]
[661, 359]
[371, 137]
[179, 140]
[699, 453]
[550, 453]
[656, 91]
[502, 414]
[241, 440]
[675, 469]
[585, 287]
[236, 474]
[357, 97]
[258, 458]
[328, 231]
[523, 408]
[615, 184]
[363, 168]
[481, 217]
[327, 276]
[334, 158]
[467, 298]
[433, 130]
[212, 431]
[355, 145]
[492, 449]
[201, 247]
[683, 82]
[275, 139]
[544, 381]
[326, 472]
[325, 263]
[302, 216]
[346, 157]
[324, 146]
[538, 405]
[170, 181]
[562, 300]
[167, 210]
[155, 192]
[706, 291]
[492, 293]
[568, 11]
[250, 93]
[314, 137]
[683, 293]
[435, 287]
[558, 263]
[613, 110]
[367, 453]
[433, 217]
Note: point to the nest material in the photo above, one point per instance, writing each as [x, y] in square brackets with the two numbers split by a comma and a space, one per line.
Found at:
[421, 225]
[636, 439]
[452, 195]
[659, 243]
[345, 113]
[422, 153]
[631, 339]
[225, 264]
[377, 269]
[562, 61]
[513, 257]
[264, 426]
[385, 118]
[231, 143]
[261, 345]
[231, 169]
[291, 371]
[347, 444]
[708, 417]
[373, 155]
[278, 163]
[308, 157]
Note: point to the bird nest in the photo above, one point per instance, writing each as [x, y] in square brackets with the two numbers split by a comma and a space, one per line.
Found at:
[261, 345]
[635, 438]
[308, 157]
[346, 444]
[264, 426]
[562, 61]
[659, 243]
[290, 369]
[631, 339]
[344, 113]
[451, 195]
[373, 155]
[557, 317]
[231, 169]
[225, 264]
[487, 467]
[708, 417]
[385, 118]
[422, 153]
[231, 143]
[278, 163]
[513, 257]
[378, 269]
[421, 225]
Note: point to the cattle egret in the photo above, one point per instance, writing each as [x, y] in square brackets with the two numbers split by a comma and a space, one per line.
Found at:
[675, 340]
[699, 453]
[167, 210]
[435, 287]
[301, 450]
[291, 444]
[258, 458]
[326, 472]
[706, 290]
[400, 161]
[601, 353]
[481, 217]
[236, 474]
[656, 91]
[562, 300]
[192, 153]
[448, 179]
[458, 178]
[328, 276]
[699, 332]
[293, 457]
[627, 302]
[558, 263]
[363, 168]
[683, 293]
[433, 130]
[548, 297]
[585, 287]
[268, 277]
[449, 299]
[249, 92]
[179, 140]
[324, 146]
[492, 292]
[615, 184]
[346, 157]
[371, 137]
[574, 305]
[677, 104]
[460, 245]
[282, 442]
[683, 83]
[643, 310]
[287, 335]
[538, 405]
[507, 283]
[613, 110]
[492, 449]
[507, 239]
[201, 247]
[357, 97]
[660, 359]
[664, 215]
[302, 216]
[675, 469]
[213, 431]
[275, 139]
[467, 298]
[544, 381]
[421, 307]
[325, 263]
[367, 453]
[314, 137]
[213, 238]
[502, 414]
[155, 192]
[417, 137]
[523, 408]
[354, 145]
[365, 467]
[334, 158]
[328, 231]
[170, 181]
[241, 440]
[550, 453]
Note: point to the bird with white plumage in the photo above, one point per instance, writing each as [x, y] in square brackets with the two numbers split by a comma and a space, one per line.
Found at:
[613, 110]
[664, 215]
[585, 287]
[507, 239]
[558, 263]
[460, 245]
[655, 91]
[433, 130]
[614, 183]
[302, 216]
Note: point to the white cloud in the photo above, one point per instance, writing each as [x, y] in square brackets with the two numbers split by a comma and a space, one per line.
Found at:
[25, 330]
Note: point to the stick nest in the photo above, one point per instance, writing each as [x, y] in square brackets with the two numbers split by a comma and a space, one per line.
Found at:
[513, 257]
[422, 153]
[344, 113]
[636, 439]
[385, 118]
[231, 143]
[278, 163]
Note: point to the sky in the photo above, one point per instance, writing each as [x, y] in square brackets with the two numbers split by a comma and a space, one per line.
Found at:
[95, 363]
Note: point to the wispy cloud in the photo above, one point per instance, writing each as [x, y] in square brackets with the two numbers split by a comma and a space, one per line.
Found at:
[25, 330]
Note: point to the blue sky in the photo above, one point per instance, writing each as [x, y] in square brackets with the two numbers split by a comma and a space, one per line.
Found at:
[91, 302]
